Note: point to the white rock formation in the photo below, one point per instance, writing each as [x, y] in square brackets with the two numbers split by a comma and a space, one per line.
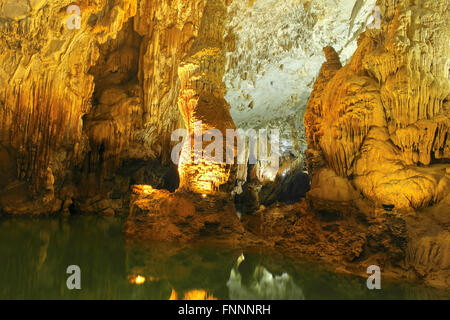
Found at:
[277, 57]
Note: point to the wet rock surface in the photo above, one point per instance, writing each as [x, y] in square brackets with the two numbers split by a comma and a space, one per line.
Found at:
[159, 215]
[353, 241]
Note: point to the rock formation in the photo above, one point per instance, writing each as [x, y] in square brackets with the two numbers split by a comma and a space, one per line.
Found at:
[79, 103]
[276, 57]
[91, 92]
[197, 211]
[182, 217]
[271, 66]
[379, 126]
[378, 135]
[202, 104]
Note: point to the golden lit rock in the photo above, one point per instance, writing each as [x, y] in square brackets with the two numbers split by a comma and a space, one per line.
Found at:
[382, 121]
[87, 99]
[91, 93]
[201, 99]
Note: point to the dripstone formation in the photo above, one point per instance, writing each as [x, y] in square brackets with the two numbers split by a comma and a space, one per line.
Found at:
[90, 97]
[380, 125]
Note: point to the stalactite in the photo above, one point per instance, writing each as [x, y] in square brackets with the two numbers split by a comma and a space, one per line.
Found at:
[93, 97]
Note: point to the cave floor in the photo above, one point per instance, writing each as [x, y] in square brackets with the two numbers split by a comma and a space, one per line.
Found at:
[36, 252]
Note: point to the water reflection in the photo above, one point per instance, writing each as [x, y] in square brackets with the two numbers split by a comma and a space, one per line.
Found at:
[250, 281]
[192, 295]
[35, 253]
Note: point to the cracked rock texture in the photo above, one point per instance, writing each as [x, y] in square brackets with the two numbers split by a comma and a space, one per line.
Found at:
[184, 217]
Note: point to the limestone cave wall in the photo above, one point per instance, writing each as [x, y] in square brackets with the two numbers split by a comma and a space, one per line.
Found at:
[77, 104]
[88, 111]
[379, 126]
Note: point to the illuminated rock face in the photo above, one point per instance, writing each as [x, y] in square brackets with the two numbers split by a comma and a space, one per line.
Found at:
[85, 100]
[46, 89]
[158, 215]
[380, 125]
[201, 100]
[169, 29]
[276, 57]
[76, 104]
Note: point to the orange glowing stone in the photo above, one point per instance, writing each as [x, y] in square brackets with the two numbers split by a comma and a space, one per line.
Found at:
[142, 189]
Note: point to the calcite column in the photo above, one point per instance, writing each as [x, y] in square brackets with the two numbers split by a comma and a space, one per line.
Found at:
[87, 100]
[201, 100]
[137, 85]
[169, 28]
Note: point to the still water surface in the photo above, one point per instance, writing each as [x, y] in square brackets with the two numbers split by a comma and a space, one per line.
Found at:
[35, 253]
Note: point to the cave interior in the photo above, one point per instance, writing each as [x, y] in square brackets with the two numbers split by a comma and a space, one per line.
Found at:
[313, 129]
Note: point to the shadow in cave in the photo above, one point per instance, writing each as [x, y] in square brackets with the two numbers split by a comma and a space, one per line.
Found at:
[152, 173]
[287, 188]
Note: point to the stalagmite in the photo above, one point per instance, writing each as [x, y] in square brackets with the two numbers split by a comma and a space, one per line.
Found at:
[343, 154]
[201, 100]
[382, 121]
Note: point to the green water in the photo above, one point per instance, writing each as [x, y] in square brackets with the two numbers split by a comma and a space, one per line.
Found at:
[35, 253]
